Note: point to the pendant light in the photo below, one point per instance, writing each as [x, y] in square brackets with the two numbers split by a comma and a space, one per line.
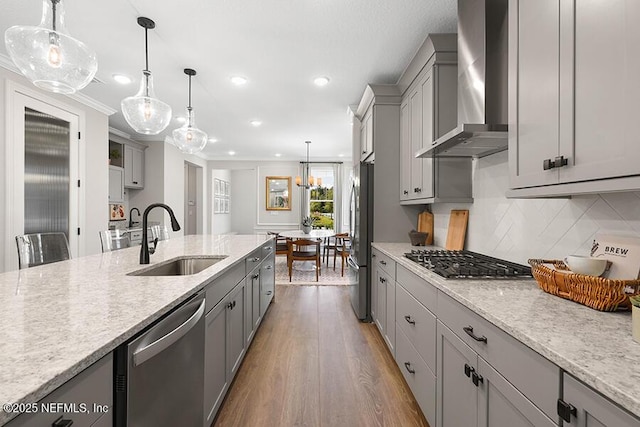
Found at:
[308, 180]
[188, 138]
[48, 56]
[144, 112]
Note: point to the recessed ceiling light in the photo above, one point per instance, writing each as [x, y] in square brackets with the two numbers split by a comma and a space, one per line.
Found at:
[255, 123]
[321, 81]
[180, 119]
[213, 140]
[232, 153]
[239, 80]
[340, 155]
[278, 155]
[122, 79]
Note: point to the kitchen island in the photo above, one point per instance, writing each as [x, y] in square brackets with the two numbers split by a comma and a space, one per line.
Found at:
[592, 346]
[59, 319]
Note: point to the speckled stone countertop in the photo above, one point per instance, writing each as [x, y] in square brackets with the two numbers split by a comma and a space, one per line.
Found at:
[593, 346]
[58, 319]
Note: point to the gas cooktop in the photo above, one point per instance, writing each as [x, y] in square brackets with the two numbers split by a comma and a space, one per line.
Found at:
[467, 265]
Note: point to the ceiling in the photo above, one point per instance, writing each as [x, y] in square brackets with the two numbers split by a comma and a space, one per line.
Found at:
[280, 46]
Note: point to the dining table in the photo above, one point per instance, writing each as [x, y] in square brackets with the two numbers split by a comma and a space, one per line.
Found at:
[311, 235]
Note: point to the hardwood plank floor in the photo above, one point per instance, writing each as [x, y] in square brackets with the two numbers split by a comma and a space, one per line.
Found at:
[312, 363]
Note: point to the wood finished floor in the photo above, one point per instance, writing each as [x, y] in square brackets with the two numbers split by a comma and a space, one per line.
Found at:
[312, 363]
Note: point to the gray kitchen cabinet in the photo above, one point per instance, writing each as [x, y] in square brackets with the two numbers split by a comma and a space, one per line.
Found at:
[572, 96]
[428, 111]
[384, 270]
[92, 386]
[116, 184]
[374, 288]
[267, 283]
[366, 137]
[236, 327]
[133, 167]
[216, 374]
[381, 301]
[253, 304]
[470, 392]
[591, 408]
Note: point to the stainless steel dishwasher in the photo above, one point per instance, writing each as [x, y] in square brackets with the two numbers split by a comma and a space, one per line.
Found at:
[159, 374]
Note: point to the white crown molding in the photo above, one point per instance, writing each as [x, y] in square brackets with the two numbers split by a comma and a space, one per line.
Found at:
[119, 132]
[7, 64]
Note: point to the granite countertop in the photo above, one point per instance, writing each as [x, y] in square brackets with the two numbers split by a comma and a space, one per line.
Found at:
[594, 346]
[58, 319]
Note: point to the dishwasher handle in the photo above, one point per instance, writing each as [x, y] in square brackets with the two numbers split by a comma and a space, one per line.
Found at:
[156, 347]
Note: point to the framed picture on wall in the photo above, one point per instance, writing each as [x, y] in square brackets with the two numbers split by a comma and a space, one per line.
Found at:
[226, 205]
[216, 205]
[277, 194]
[216, 186]
[226, 188]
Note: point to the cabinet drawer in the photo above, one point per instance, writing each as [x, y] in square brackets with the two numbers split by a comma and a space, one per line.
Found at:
[385, 263]
[420, 378]
[222, 285]
[92, 386]
[253, 260]
[418, 324]
[421, 290]
[533, 375]
[268, 248]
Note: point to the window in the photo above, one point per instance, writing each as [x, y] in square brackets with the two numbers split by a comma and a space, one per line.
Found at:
[321, 198]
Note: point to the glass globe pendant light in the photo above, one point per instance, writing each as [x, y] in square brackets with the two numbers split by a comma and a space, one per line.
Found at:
[144, 112]
[188, 138]
[48, 56]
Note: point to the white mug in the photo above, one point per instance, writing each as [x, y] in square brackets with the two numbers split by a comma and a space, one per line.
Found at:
[586, 265]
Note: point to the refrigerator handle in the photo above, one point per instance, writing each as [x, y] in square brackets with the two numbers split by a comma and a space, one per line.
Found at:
[352, 264]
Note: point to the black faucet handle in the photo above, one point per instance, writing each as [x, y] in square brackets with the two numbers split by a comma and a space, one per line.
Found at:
[153, 249]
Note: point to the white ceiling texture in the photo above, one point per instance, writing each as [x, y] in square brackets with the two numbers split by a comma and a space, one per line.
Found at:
[280, 46]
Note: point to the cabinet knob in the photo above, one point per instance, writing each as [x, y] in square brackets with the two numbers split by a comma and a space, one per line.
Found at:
[61, 423]
[407, 366]
[364, 151]
[565, 410]
[469, 331]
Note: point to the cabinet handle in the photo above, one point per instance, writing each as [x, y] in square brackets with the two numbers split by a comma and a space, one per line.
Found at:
[373, 255]
[364, 151]
[255, 276]
[254, 259]
[267, 248]
[418, 190]
[268, 267]
[476, 379]
[61, 423]
[409, 320]
[469, 331]
[135, 182]
[407, 366]
[269, 292]
[558, 162]
[383, 262]
[405, 192]
[382, 280]
[468, 370]
[230, 306]
[565, 410]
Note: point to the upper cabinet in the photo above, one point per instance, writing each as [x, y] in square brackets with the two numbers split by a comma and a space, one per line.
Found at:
[573, 96]
[377, 112]
[128, 154]
[428, 110]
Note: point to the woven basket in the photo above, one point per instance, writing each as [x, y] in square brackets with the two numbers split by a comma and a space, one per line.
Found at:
[595, 292]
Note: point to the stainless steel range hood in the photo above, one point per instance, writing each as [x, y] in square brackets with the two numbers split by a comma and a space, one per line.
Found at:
[482, 83]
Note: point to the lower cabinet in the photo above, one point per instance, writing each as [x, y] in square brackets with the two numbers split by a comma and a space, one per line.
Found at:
[267, 283]
[92, 386]
[471, 393]
[383, 301]
[253, 304]
[581, 406]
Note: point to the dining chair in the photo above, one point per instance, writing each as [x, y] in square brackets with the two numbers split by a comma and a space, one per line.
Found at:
[329, 245]
[343, 248]
[42, 248]
[112, 240]
[281, 243]
[296, 251]
[161, 232]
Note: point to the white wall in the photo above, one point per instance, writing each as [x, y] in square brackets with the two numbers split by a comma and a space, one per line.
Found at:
[519, 229]
[96, 180]
[220, 222]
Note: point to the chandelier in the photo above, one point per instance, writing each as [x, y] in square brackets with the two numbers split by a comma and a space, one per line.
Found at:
[48, 56]
[307, 181]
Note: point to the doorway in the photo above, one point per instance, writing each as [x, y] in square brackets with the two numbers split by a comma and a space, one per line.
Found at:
[192, 198]
[43, 171]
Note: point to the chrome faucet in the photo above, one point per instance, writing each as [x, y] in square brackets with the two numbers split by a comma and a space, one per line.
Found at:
[144, 249]
[131, 216]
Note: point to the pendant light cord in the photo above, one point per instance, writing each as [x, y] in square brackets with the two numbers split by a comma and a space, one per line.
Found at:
[189, 106]
[146, 50]
[53, 10]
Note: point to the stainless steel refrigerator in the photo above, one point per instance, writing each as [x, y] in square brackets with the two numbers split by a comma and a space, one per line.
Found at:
[361, 234]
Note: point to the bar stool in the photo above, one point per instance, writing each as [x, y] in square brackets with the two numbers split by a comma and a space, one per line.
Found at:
[42, 248]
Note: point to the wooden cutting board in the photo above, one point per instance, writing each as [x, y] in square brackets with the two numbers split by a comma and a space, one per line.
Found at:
[425, 225]
[457, 229]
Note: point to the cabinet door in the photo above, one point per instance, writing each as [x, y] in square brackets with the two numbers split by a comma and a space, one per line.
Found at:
[381, 308]
[216, 378]
[457, 396]
[116, 184]
[267, 283]
[374, 286]
[501, 404]
[236, 327]
[534, 126]
[605, 100]
[415, 135]
[133, 167]
[428, 134]
[593, 410]
[405, 152]
[390, 316]
[366, 135]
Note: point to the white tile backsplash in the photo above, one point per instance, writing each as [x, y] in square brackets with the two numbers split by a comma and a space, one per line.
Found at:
[519, 229]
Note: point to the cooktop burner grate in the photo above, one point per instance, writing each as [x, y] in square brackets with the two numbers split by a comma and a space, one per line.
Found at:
[467, 265]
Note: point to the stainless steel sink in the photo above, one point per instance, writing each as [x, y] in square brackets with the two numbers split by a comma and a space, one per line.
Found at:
[182, 266]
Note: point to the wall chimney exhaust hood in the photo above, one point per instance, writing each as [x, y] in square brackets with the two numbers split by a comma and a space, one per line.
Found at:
[482, 83]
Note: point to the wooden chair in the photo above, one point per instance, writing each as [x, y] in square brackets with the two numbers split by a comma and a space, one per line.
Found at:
[328, 245]
[42, 248]
[296, 252]
[281, 243]
[343, 248]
